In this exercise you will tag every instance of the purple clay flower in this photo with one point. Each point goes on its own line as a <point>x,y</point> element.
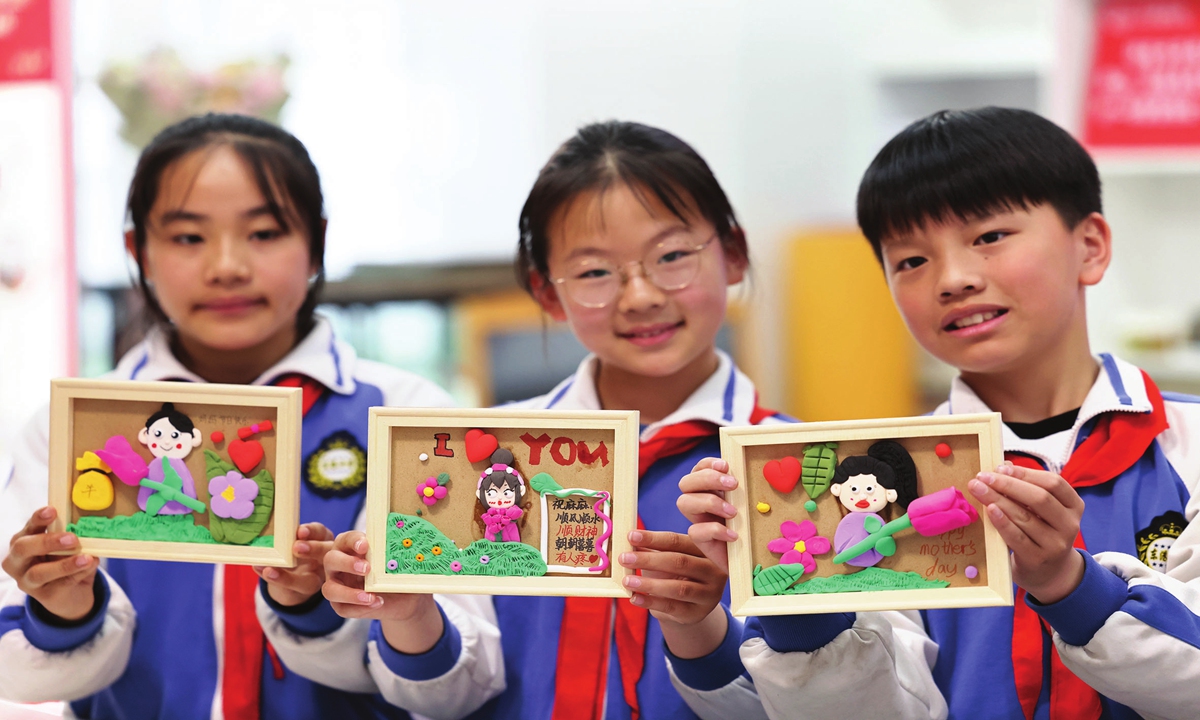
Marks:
<point>484,559</point>
<point>798,544</point>
<point>456,566</point>
<point>430,492</point>
<point>392,565</point>
<point>232,495</point>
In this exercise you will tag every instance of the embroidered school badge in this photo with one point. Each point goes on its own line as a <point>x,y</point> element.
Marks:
<point>338,466</point>
<point>1154,542</point>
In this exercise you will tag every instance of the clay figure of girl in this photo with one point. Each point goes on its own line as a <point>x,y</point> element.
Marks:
<point>866,484</point>
<point>501,489</point>
<point>171,436</point>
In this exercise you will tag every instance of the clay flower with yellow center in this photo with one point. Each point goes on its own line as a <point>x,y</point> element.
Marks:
<point>798,544</point>
<point>430,491</point>
<point>232,495</point>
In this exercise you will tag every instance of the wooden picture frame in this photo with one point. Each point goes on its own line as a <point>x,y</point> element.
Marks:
<point>946,451</point>
<point>424,472</point>
<point>244,439</point>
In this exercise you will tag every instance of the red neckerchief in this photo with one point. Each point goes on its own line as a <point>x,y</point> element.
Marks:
<point>1118,441</point>
<point>582,666</point>
<point>241,676</point>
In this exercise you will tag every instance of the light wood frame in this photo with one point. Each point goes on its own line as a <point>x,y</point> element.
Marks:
<point>623,424</point>
<point>286,504</point>
<point>734,441</point>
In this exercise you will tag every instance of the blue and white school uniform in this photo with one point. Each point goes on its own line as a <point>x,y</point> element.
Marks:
<point>1130,631</point>
<point>529,626</point>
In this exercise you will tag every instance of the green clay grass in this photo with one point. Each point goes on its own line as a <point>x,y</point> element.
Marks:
<point>779,579</point>
<point>432,553</point>
<point>154,528</point>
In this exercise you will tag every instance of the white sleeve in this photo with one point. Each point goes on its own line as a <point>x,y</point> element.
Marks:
<point>476,676</point>
<point>1133,634</point>
<point>738,699</point>
<point>30,674</point>
<point>889,652</point>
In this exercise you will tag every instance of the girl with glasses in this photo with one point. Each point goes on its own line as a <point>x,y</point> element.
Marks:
<point>628,238</point>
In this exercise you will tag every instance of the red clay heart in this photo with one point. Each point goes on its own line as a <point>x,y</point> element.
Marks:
<point>480,445</point>
<point>245,454</point>
<point>783,474</point>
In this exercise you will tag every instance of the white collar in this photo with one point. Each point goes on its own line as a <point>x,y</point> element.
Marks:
<point>1119,387</point>
<point>727,397</point>
<point>320,356</point>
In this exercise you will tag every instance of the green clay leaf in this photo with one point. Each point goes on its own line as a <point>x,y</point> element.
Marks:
<point>443,478</point>
<point>777,578</point>
<point>820,461</point>
<point>543,483</point>
<point>214,465</point>
<point>757,569</point>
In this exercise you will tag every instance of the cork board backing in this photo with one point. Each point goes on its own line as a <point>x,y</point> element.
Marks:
<point>554,442</point>
<point>85,413</point>
<point>975,442</point>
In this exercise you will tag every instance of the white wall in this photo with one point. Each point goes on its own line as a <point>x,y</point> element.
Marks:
<point>429,121</point>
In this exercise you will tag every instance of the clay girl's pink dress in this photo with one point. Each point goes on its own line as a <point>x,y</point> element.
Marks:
<point>500,524</point>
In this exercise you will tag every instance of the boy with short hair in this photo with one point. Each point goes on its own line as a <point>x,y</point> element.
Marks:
<point>988,226</point>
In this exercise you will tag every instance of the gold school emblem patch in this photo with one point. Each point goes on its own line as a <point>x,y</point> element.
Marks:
<point>338,466</point>
<point>1154,541</point>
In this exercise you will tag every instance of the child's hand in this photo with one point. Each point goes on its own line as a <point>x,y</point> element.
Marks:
<point>703,503</point>
<point>411,623</point>
<point>678,583</point>
<point>63,585</point>
<point>292,586</point>
<point>1037,513</point>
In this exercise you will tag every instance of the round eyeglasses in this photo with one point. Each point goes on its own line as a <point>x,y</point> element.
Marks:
<point>595,282</point>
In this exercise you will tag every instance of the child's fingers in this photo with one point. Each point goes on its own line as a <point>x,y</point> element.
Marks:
<point>707,532</point>
<point>1035,498</point>
<point>707,480</point>
<point>660,605</point>
<point>1052,483</point>
<point>681,591</point>
<point>38,522</point>
<point>1032,526</point>
<point>711,463</point>
<point>1012,535</point>
<point>352,542</point>
<point>315,532</point>
<point>26,550</point>
<point>43,574</point>
<point>672,564</point>
<point>337,561</point>
<point>703,505</point>
<point>664,542</point>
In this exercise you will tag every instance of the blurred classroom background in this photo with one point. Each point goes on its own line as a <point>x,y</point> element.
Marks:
<point>429,122</point>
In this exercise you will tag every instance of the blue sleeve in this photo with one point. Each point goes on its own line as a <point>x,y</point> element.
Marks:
<point>433,663</point>
<point>49,633</point>
<point>799,633</point>
<point>716,669</point>
<point>314,617</point>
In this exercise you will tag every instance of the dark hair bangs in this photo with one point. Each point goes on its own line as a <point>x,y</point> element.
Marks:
<point>645,159</point>
<point>283,172</point>
<point>966,165</point>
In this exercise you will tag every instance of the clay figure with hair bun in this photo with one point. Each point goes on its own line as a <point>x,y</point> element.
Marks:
<point>865,485</point>
<point>500,490</point>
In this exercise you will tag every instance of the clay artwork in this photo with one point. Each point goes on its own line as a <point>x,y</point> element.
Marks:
<point>150,472</point>
<point>863,515</point>
<point>519,521</point>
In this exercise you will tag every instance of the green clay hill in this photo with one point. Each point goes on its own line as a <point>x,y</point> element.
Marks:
<point>161,528</point>
<point>782,580</point>
<point>430,552</point>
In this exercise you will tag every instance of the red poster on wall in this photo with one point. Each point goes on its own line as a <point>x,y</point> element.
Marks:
<point>25,50</point>
<point>1144,89</point>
